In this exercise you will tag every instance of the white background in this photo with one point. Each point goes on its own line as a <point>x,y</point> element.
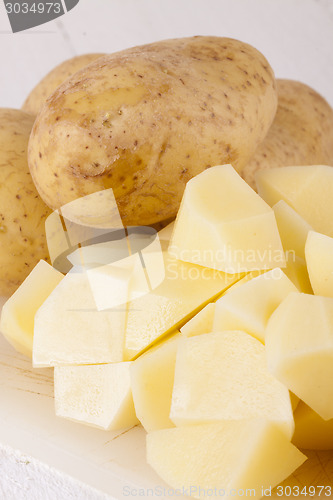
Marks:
<point>296,36</point>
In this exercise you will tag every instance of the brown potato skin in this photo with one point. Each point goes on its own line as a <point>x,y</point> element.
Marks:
<point>146,120</point>
<point>22,211</point>
<point>37,97</point>
<point>301,133</point>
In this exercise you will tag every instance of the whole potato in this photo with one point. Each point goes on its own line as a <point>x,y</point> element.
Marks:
<point>53,79</point>
<point>22,212</point>
<point>301,133</point>
<point>146,120</point>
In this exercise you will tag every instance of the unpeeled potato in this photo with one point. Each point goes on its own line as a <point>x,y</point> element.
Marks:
<point>22,211</point>
<point>53,79</point>
<point>301,133</point>
<point>146,120</point>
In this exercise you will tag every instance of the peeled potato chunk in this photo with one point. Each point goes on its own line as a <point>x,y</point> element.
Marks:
<point>292,227</point>
<point>201,322</point>
<point>299,346</point>
<point>308,190</point>
<point>18,313</point>
<point>249,307</point>
<point>152,377</point>
<point>223,376</point>
<point>97,395</point>
<point>319,260</point>
<point>223,224</point>
<point>70,330</point>
<point>240,458</point>
<point>185,289</point>
<point>311,431</point>
<point>297,272</point>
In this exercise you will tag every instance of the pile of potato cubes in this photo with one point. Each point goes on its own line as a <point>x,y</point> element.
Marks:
<point>248,280</point>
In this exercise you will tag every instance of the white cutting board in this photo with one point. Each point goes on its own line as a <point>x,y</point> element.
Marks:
<point>108,461</point>
<point>112,462</point>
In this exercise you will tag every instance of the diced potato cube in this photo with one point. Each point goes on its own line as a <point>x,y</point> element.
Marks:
<point>294,401</point>
<point>70,330</point>
<point>97,395</point>
<point>319,260</point>
<point>238,458</point>
<point>250,306</point>
<point>292,227</point>
<point>311,431</point>
<point>297,272</point>
<point>152,376</point>
<point>299,345</point>
<point>223,224</point>
<point>185,289</point>
<point>201,322</point>
<point>18,313</point>
<point>308,190</point>
<point>223,376</point>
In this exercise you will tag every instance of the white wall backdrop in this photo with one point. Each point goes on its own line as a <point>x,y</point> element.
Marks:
<point>295,35</point>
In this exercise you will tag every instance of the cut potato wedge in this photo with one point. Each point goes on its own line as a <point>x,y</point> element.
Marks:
<point>152,377</point>
<point>308,190</point>
<point>235,458</point>
<point>97,395</point>
<point>299,346</point>
<point>297,272</point>
<point>250,306</point>
<point>185,289</point>
<point>70,330</point>
<point>223,376</point>
<point>18,313</point>
<point>223,224</point>
<point>292,227</point>
<point>201,323</point>
<point>311,431</point>
<point>319,260</point>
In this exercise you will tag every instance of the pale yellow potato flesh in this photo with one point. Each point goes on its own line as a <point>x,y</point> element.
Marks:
<point>201,322</point>
<point>292,227</point>
<point>152,377</point>
<point>301,132</point>
<point>22,211</point>
<point>185,290</point>
<point>58,75</point>
<point>69,329</point>
<point>319,261</point>
<point>145,120</point>
<point>223,224</point>
<point>297,272</point>
<point>18,313</point>
<point>238,458</point>
<point>299,347</point>
<point>223,376</point>
<point>96,395</point>
<point>308,190</point>
<point>250,306</point>
<point>311,431</point>
<point>294,401</point>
